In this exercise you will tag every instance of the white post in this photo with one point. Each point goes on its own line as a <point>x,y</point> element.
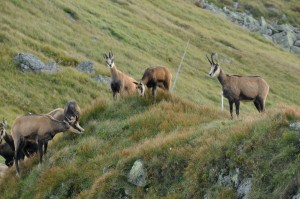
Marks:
<point>179,67</point>
<point>222,100</point>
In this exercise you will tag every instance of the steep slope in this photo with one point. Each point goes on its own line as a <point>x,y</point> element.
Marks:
<point>184,140</point>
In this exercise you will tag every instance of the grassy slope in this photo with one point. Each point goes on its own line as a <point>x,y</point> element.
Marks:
<point>141,34</point>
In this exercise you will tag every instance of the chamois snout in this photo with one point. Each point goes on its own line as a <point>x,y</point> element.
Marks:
<point>140,87</point>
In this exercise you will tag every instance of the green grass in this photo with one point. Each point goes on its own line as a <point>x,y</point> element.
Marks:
<point>182,138</point>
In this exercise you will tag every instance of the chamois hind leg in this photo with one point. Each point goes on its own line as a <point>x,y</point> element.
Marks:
<point>231,108</point>
<point>17,152</point>
<point>261,103</point>
<point>237,107</point>
<point>45,147</point>
<point>40,147</point>
<point>257,105</point>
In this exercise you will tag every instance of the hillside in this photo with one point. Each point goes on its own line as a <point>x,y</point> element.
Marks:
<point>185,140</point>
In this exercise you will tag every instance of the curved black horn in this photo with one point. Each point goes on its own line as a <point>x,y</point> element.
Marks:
<point>208,60</point>
<point>212,59</point>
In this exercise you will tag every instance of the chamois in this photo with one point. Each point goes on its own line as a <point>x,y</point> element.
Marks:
<point>5,150</point>
<point>120,83</point>
<point>29,149</point>
<point>240,88</point>
<point>157,76</point>
<point>40,128</point>
<point>71,113</point>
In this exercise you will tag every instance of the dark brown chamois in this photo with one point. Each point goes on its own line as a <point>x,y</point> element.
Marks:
<point>240,88</point>
<point>159,76</point>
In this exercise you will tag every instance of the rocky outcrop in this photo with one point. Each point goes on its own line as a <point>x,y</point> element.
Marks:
<point>285,35</point>
<point>86,67</point>
<point>30,63</point>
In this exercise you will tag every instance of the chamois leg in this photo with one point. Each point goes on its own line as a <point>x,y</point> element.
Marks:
<point>17,149</point>
<point>231,108</point>
<point>45,147</point>
<point>154,92</point>
<point>237,107</point>
<point>261,103</point>
<point>40,147</point>
<point>257,105</point>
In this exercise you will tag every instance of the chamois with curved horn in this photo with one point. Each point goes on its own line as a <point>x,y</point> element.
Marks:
<point>120,82</point>
<point>70,113</point>
<point>154,77</point>
<point>240,88</point>
<point>40,128</point>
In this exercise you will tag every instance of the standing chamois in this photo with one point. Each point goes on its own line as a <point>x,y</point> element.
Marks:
<point>240,88</point>
<point>120,83</point>
<point>159,76</point>
<point>40,128</point>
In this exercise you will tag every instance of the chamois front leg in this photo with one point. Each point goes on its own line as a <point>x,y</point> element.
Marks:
<point>237,107</point>
<point>231,108</point>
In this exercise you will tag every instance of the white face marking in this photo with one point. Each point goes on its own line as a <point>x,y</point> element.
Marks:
<point>141,89</point>
<point>214,70</point>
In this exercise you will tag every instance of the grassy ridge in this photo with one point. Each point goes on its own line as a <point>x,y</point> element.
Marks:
<point>180,152</point>
<point>181,137</point>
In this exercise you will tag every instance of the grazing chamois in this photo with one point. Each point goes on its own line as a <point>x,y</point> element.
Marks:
<point>120,83</point>
<point>240,88</point>
<point>40,128</point>
<point>159,76</point>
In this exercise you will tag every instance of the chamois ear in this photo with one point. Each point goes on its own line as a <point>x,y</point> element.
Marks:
<point>136,83</point>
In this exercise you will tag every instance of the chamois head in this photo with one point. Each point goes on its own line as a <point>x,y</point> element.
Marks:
<point>215,67</point>
<point>2,129</point>
<point>109,59</point>
<point>72,114</point>
<point>140,87</point>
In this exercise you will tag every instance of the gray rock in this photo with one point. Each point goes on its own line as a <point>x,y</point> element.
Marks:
<point>296,196</point>
<point>297,43</point>
<point>284,28</point>
<point>86,67</point>
<point>31,63</point>
<point>284,39</point>
<point>295,49</point>
<point>244,189</point>
<point>137,174</point>
<point>102,79</point>
<point>295,126</point>
<point>262,21</point>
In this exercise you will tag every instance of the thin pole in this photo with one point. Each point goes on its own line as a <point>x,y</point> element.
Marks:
<point>179,67</point>
<point>222,101</point>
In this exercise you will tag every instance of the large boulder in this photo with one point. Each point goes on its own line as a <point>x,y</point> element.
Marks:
<point>137,174</point>
<point>295,49</point>
<point>31,63</point>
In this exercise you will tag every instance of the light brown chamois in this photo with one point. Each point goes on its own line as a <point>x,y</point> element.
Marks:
<point>30,148</point>
<point>159,76</point>
<point>40,128</point>
<point>120,83</point>
<point>240,88</point>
